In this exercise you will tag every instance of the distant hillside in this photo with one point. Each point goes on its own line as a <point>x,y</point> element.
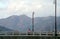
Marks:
<point>23,23</point>
<point>5,29</point>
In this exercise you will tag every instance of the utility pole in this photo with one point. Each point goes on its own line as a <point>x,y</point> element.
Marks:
<point>33,22</point>
<point>55,17</point>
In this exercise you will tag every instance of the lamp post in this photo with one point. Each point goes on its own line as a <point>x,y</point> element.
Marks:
<point>33,23</point>
<point>55,17</point>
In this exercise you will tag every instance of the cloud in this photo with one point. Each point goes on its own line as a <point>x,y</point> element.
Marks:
<point>24,6</point>
<point>18,7</point>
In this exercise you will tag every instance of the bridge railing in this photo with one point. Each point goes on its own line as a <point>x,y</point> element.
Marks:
<point>26,33</point>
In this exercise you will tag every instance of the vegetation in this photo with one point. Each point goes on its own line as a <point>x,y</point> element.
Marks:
<point>27,37</point>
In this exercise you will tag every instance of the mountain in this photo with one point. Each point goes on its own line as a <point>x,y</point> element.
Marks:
<point>4,29</point>
<point>22,23</point>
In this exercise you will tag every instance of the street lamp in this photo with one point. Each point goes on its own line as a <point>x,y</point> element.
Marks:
<point>33,23</point>
<point>55,17</point>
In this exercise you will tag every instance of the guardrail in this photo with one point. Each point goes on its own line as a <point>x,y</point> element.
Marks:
<point>26,33</point>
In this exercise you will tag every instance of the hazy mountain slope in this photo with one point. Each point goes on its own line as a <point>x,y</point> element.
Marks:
<point>5,29</point>
<point>20,23</point>
<point>23,23</point>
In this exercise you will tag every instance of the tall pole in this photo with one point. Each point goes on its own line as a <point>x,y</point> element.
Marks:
<point>55,17</point>
<point>33,22</point>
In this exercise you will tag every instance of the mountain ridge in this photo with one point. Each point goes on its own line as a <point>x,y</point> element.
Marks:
<point>23,22</point>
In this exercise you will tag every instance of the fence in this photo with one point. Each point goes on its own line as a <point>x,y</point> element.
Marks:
<point>18,35</point>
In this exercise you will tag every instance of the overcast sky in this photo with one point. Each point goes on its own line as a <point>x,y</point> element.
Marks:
<point>19,7</point>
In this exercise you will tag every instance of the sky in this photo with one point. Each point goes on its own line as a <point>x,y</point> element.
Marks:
<point>41,8</point>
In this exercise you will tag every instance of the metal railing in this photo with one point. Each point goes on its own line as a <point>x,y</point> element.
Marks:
<point>25,35</point>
